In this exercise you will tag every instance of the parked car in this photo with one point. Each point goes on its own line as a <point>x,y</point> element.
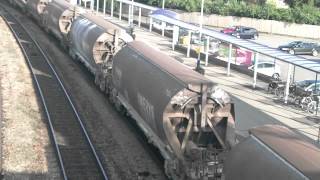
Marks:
<point>301,47</point>
<point>241,32</point>
<point>268,68</point>
<point>306,87</point>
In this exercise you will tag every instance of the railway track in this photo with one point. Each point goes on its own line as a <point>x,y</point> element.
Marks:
<point>76,154</point>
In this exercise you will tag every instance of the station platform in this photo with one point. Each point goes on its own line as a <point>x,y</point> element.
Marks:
<point>254,107</point>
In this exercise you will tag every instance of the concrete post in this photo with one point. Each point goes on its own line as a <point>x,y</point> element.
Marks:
<point>129,14</point>
<point>315,83</point>
<point>173,43</point>
<point>163,24</point>
<point>175,36</point>
<point>85,4</point>
<point>189,43</point>
<point>201,17</point>
<point>120,11</point>
<point>132,15</point>
<point>286,95</point>
<point>111,8</point>
<point>97,6</point>
<point>229,59</point>
<point>316,91</point>
<point>207,50</point>
<point>91,5</point>
<point>255,72</point>
<point>150,27</point>
<point>104,6</point>
<point>139,20</point>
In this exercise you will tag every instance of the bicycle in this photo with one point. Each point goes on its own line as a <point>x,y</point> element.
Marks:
<point>314,105</point>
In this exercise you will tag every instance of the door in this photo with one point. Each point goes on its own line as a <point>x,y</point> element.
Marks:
<point>307,48</point>
<point>261,68</point>
<point>246,34</point>
<point>299,48</point>
<point>269,69</point>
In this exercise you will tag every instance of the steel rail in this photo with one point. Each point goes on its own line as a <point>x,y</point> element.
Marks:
<point>98,161</point>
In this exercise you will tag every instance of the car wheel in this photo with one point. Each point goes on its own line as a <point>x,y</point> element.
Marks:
<point>291,51</point>
<point>276,76</point>
<point>314,53</point>
<point>255,36</point>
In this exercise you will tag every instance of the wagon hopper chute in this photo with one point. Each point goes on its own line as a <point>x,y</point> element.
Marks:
<point>99,41</point>
<point>182,113</point>
<point>36,8</point>
<point>57,18</point>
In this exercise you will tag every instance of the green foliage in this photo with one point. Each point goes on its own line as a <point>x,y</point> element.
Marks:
<point>299,3</point>
<point>301,11</point>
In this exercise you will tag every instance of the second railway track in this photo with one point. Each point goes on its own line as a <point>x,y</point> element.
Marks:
<point>76,154</point>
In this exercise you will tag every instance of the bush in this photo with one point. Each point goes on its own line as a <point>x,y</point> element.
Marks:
<point>302,11</point>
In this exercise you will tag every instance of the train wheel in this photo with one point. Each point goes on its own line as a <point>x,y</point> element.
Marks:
<point>291,51</point>
<point>72,54</point>
<point>314,53</point>
<point>171,168</point>
<point>112,96</point>
<point>102,85</point>
<point>96,80</point>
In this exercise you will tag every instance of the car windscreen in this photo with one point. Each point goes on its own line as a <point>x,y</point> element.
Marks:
<point>305,84</point>
<point>294,43</point>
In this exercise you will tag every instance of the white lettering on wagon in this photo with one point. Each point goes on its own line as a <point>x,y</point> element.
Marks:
<point>146,108</point>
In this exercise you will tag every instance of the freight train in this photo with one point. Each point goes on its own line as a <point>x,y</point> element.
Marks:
<point>182,113</point>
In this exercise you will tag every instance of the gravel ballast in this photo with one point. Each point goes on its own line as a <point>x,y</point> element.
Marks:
<point>26,149</point>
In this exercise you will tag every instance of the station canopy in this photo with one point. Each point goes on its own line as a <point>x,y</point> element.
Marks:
<point>167,13</point>
<point>247,44</point>
<point>138,5</point>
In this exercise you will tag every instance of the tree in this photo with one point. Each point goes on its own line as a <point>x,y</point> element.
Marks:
<point>299,3</point>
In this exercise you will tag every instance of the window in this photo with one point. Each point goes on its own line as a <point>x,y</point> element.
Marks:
<point>311,87</point>
<point>305,84</point>
<point>260,65</point>
<point>307,45</point>
<point>267,65</point>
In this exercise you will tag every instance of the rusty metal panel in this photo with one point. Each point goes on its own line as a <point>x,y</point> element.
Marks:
<point>57,17</point>
<point>96,35</point>
<point>36,8</point>
<point>273,152</point>
<point>100,21</point>
<point>149,79</point>
<point>182,73</point>
<point>293,148</point>
<point>89,33</point>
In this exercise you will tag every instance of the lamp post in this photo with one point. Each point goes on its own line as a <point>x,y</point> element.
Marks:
<point>201,17</point>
